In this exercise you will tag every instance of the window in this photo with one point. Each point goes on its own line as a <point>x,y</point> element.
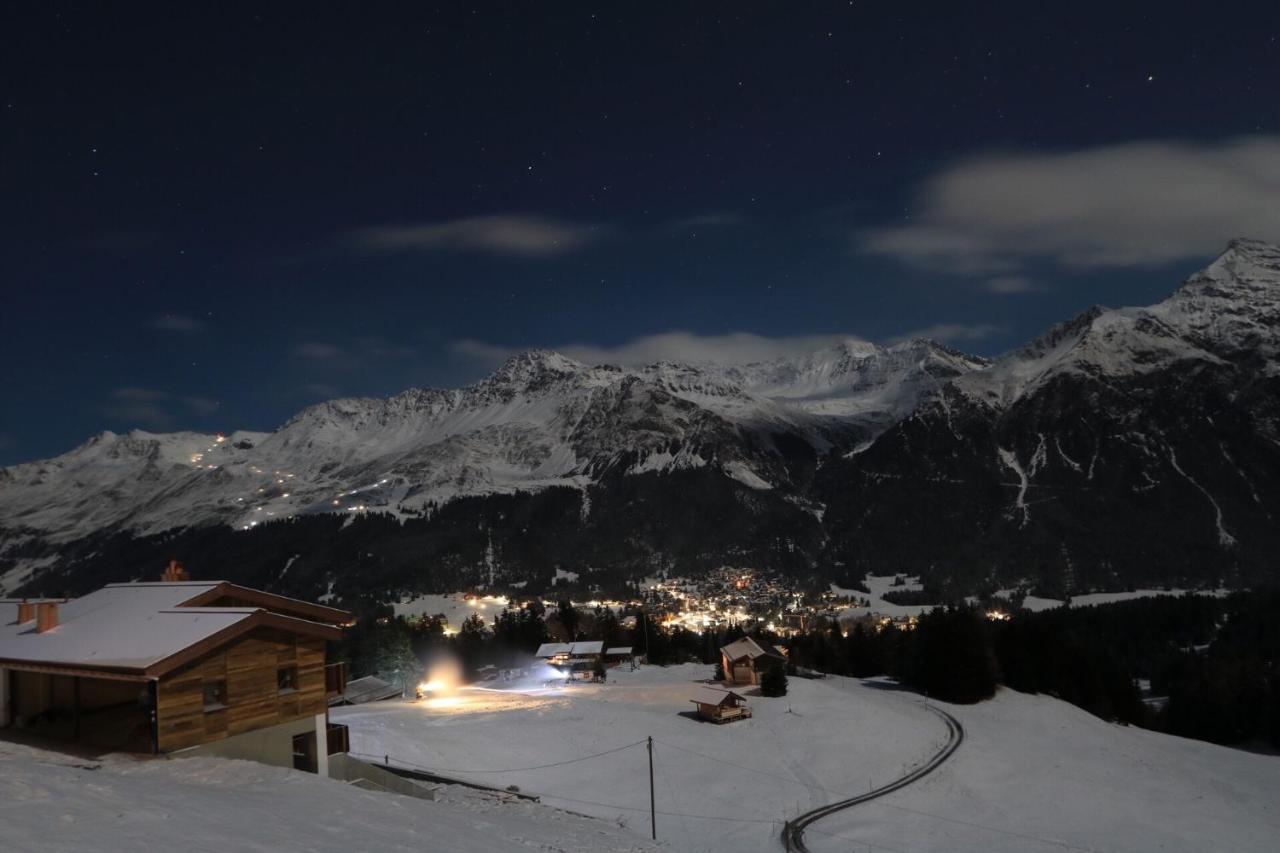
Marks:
<point>215,695</point>
<point>286,679</point>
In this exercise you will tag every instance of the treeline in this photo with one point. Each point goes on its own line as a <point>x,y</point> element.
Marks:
<point>401,649</point>
<point>1211,666</point>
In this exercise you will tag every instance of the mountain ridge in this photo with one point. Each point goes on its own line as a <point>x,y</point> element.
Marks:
<point>1116,404</point>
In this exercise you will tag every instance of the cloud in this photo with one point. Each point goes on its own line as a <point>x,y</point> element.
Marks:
<point>1007,284</point>
<point>715,219</point>
<point>733,348</point>
<point>176,323</point>
<point>353,350</point>
<point>502,234</point>
<point>949,333</point>
<point>158,409</point>
<point>1129,205</point>
<point>317,351</point>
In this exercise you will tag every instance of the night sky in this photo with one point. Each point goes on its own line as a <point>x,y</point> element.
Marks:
<point>215,215</point>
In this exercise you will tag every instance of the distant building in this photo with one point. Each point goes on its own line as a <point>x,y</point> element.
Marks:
<point>719,706</point>
<point>619,655</point>
<point>562,654</point>
<point>176,667</point>
<point>746,660</point>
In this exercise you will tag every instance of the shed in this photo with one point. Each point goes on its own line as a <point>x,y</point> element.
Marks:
<point>618,655</point>
<point>719,706</point>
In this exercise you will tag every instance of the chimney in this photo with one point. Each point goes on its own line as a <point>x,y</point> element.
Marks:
<point>26,611</point>
<point>46,616</point>
<point>174,573</point>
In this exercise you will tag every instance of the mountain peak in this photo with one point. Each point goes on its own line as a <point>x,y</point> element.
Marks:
<point>1246,265</point>
<point>539,360</point>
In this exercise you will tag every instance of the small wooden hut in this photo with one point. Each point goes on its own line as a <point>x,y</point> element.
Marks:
<point>719,706</point>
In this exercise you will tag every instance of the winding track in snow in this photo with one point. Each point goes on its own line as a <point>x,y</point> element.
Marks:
<point>793,830</point>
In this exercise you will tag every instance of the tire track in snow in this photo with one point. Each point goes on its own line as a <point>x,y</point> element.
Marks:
<point>793,830</point>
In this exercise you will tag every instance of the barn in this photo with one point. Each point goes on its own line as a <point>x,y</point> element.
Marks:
<point>746,660</point>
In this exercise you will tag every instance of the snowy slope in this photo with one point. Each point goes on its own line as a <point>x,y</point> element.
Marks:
<point>1035,773</point>
<point>1031,768</point>
<point>818,735</point>
<point>52,803</point>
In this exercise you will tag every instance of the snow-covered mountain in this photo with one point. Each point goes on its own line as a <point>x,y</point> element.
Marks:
<point>1125,443</point>
<point>1134,442</point>
<point>540,420</point>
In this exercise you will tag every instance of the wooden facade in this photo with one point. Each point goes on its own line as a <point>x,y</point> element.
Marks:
<point>249,669</point>
<point>720,706</point>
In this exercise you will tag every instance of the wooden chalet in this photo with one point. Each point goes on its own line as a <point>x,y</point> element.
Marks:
<point>720,706</point>
<point>176,667</point>
<point>746,660</point>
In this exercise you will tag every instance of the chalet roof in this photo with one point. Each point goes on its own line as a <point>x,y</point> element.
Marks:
<point>619,650</point>
<point>705,695</point>
<point>749,648</point>
<point>550,650</point>
<point>140,628</point>
<point>584,647</point>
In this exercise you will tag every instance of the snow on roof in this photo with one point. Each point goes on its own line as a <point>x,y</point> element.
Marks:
<point>705,695</point>
<point>749,648</point>
<point>550,650</point>
<point>618,650</point>
<point>586,647</point>
<point>128,626</point>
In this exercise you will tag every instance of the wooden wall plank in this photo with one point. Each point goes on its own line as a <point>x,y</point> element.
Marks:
<point>249,668</point>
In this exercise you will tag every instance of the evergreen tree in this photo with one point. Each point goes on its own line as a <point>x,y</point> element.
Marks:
<point>568,618</point>
<point>774,681</point>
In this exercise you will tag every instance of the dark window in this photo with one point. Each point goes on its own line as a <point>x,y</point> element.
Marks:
<point>287,679</point>
<point>215,695</point>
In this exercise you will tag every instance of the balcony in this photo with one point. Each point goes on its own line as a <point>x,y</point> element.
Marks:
<point>335,679</point>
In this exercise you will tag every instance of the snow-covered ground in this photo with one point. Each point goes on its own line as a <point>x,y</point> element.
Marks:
<point>455,606</point>
<point>1033,773</point>
<point>879,585</point>
<point>52,803</point>
<point>703,803</point>
<point>1033,603</point>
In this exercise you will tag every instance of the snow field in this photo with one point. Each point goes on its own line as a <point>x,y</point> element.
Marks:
<point>53,803</point>
<point>1037,774</point>
<point>716,787</point>
<point>1033,773</point>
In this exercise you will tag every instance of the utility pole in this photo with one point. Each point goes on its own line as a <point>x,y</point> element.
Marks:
<point>653,813</point>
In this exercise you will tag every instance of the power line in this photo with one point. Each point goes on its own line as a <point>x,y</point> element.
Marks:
<point>1024,836</point>
<point>414,766</point>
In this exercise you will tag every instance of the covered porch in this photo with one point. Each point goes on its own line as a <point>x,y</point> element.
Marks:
<point>98,711</point>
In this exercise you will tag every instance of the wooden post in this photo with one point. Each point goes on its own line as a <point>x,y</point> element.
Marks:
<point>75,708</point>
<point>153,694</point>
<point>653,813</point>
